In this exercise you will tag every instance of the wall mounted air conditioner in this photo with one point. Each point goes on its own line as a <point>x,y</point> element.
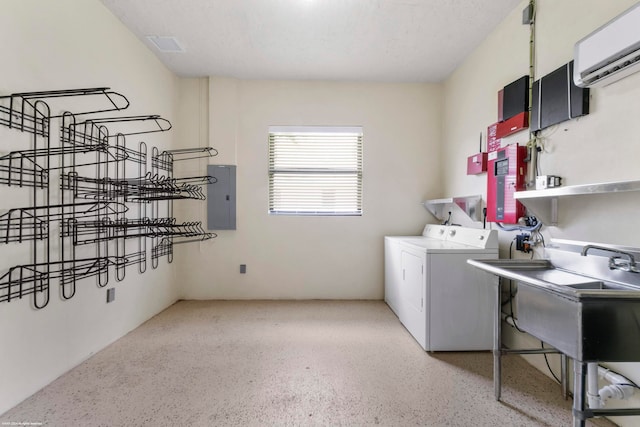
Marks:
<point>609,53</point>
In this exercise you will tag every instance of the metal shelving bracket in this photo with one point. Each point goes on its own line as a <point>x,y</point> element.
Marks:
<point>470,205</point>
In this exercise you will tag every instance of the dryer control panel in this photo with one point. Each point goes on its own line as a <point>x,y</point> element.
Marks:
<point>506,173</point>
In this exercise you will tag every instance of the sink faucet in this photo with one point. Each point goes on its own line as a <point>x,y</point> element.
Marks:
<point>615,262</point>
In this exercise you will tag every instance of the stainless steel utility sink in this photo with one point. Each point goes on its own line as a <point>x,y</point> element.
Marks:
<point>586,307</point>
<point>588,314</point>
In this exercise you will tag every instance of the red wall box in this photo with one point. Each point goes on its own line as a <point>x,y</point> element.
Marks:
<point>512,125</point>
<point>477,164</point>
<point>505,175</point>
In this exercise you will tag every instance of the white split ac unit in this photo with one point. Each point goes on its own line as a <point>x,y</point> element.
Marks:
<point>609,53</point>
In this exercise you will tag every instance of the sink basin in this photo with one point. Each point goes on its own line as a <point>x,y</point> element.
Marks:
<point>586,318</point>
<point>558,277</point>
<point>543,273</point>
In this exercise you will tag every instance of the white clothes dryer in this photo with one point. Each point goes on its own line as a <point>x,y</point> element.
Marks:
<point>439,298</point>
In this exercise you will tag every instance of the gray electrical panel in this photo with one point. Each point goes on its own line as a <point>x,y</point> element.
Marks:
<point>221,198</point>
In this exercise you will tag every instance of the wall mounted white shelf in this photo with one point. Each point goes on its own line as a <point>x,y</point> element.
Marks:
<point>470,205</point>
<point>544,203</point>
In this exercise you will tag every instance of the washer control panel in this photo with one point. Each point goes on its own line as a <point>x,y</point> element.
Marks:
<point>476,237</point>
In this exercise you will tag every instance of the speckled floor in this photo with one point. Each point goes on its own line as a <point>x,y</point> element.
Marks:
<point>243,363</point>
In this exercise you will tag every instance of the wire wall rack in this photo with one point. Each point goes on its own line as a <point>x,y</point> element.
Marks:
<point>109,207</point>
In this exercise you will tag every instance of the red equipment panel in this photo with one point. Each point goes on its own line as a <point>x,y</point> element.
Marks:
<point>477,164</point>
<point>506,172</point>
<point>514,124</point>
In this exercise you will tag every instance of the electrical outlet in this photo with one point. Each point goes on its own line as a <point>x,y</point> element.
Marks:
<point>111,294</point>
<point>523,243</point>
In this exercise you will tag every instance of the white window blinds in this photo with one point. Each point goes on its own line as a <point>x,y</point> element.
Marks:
<point>315,170</point>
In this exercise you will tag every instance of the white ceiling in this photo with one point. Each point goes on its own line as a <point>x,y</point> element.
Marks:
<point>362,40</point>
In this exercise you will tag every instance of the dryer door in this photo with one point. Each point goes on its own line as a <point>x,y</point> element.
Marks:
<point>412,295</point>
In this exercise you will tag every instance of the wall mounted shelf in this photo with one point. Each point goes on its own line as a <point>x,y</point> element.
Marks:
<point>544,203</point>
<point>470,205</point>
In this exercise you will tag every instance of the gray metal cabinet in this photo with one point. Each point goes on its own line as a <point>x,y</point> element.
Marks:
<point>221,198</point>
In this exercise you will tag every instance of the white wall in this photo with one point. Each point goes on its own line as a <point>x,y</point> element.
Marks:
<point>595,148</point>
<point>60,45</point>
<point>600,147</point>
<point>316,257</point>
<point>417,138</point>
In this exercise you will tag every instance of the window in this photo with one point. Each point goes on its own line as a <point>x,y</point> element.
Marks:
<point>315,170</point>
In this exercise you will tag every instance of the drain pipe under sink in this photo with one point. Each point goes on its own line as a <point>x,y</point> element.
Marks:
<point>593,393</point>
<point>620,388</point>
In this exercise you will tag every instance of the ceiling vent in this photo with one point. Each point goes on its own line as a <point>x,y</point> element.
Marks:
<point>166,44</point>
<point>609,53</point>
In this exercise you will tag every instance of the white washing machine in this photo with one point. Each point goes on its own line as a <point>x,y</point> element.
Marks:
<point>441,300</point>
